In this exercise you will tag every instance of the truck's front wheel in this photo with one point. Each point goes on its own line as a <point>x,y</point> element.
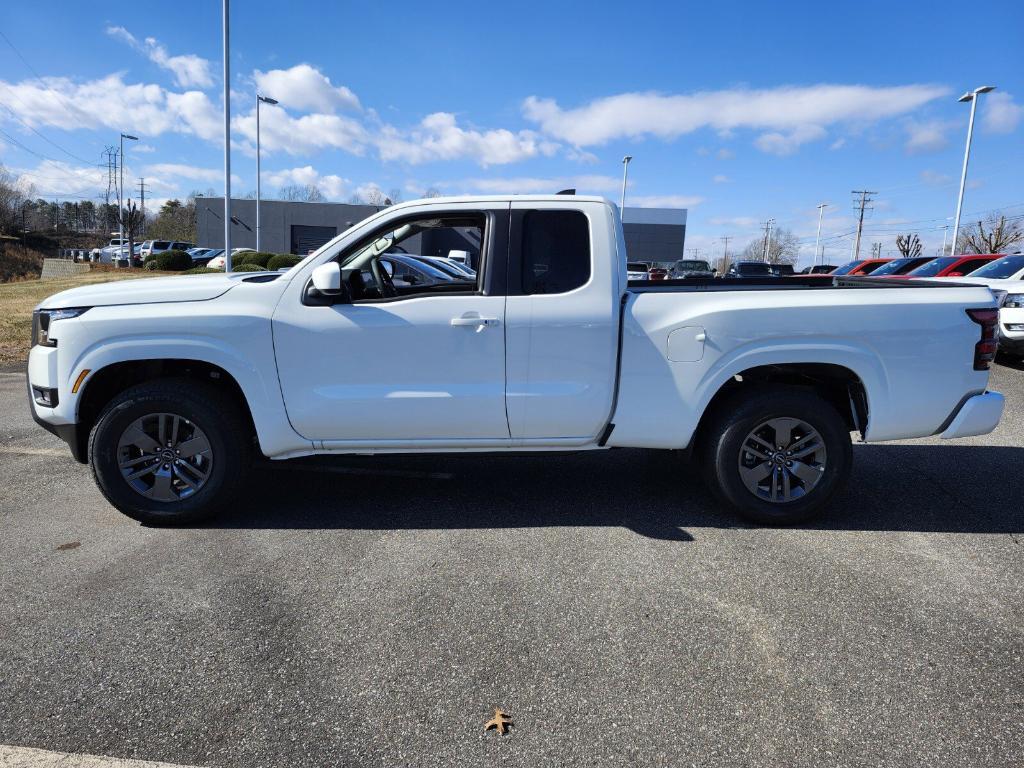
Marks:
<point>777,455</point>
<point>169,452</point>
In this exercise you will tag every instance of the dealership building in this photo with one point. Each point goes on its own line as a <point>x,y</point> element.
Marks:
<point>653,235</point>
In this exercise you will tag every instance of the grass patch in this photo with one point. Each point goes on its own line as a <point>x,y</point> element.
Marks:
<point>17,300</point>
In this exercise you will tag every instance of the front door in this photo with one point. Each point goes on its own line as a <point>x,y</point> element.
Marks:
<point>427,364</point>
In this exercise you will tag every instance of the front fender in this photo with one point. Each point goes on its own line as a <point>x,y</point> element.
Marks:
<point>254,370</point>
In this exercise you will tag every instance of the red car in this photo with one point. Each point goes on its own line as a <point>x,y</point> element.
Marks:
<point>657,273</point>
<point>951,266</point>
<point>860,267</point>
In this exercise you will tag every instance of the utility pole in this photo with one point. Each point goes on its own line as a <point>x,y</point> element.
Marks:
<point>945,231</point>
<point>864,200</point>
<point>766,241</point>
<point>817,237</point>
<point>227,138</point>
<point>142,197</point>
<point>725,253</point>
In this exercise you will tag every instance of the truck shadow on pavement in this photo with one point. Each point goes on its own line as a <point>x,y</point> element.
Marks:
<point>938,488</point>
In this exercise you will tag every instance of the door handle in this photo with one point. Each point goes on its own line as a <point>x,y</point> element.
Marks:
<point>700,336</point>
<point>474,320</point>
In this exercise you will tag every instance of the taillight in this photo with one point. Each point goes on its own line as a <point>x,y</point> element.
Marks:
<point>985,350</point>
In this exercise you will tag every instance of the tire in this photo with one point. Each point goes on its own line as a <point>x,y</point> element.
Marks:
<point>171,488</point>
<point>756,484</point>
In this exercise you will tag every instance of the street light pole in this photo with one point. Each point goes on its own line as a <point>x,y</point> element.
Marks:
<point>267,100</point>
<point>625,172</point>
<point>971,96</point>
<point>120,207</point>
<point>817,237</point>
<point>227,139</point>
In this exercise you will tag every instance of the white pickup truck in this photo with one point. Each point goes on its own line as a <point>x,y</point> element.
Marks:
<point>169,386</point>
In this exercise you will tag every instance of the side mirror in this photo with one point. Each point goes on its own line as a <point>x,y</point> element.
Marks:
<point>328,283</point>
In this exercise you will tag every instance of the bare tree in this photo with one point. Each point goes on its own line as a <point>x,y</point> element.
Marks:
<point>309,193</point>
<point>995,234</point>
<point>131,217</point>
<point>395,195</point>
<point>909,245</point>
<point>12,198</point>
<point>432,192</point>
<point>784,248</point>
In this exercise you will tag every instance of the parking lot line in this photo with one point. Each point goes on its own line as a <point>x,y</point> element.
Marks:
<point>27,757</point>
<point>33,451</point>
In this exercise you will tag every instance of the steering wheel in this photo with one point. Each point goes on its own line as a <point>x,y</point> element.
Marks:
<point>383,279</point>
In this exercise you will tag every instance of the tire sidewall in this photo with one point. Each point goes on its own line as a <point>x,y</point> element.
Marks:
<point>103,456</point>
<point>744,417</point>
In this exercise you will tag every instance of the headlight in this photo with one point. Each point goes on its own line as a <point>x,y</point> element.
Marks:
<point>42,318</point>
<point>1014,300</point>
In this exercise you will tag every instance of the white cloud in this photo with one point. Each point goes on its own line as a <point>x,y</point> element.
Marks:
<point>934,178</point>
<point>52,178</point>
<point>304,87</point>
<point>279,131</point>
<point>585,185</point>
<point>838,143</point>
<point>738,222</point>
<point>1000,114</point>
<point>725,154</point>
<point>721,178</point>
<point>663,201</point>
<point>439,137</point>
<point>188,69</point>
<point>333,186</point>
<point>109,102</point>
<point>180,170</point>
<point>790,111</point>
<point>928,136</point>
<point>783,144</point>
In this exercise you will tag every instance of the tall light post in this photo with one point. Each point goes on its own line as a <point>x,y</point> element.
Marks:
<point>120,194</point>
<point>625,172</point>
<point>265,100</point>
<point>971,96</point>
<point>817,237</point>
<point>227,139</point>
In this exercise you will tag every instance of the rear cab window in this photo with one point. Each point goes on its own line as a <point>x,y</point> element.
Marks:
<point>555,252</point>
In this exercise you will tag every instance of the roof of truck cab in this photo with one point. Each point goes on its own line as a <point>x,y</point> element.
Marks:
<point>503,198</point>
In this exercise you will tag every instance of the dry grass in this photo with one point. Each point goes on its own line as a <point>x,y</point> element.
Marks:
<point>17,300</point>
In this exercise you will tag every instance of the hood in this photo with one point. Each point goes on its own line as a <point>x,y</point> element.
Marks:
<point>145,291</point>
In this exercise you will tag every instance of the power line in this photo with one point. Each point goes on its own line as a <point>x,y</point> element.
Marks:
<point>71,107</point>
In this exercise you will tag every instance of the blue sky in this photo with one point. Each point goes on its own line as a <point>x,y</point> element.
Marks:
<point>739,112</point>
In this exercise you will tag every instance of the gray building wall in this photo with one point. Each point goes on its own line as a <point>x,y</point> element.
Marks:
<point>653,235</point>
<point>277,219</point>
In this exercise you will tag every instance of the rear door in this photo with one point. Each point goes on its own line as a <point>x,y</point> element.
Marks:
<point>562,320</point>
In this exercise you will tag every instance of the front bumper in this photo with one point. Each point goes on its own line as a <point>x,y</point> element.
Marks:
<point>69,433</point>
<point>978,415</point>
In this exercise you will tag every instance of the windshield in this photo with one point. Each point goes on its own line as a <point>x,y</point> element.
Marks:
<point>934,266</point>
<point>896,266</point>
<point>701,266</point>
<point>1005,267</point>
<point>423,266</point>
<point>847,268</point>
<point>636,267</point>
<point>753,269</point>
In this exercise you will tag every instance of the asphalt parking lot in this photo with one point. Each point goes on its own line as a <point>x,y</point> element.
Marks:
<point>376,614</point>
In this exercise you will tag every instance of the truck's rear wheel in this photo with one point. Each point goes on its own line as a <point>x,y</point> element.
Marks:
<point>169,452</point>
<point>777,455</point>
